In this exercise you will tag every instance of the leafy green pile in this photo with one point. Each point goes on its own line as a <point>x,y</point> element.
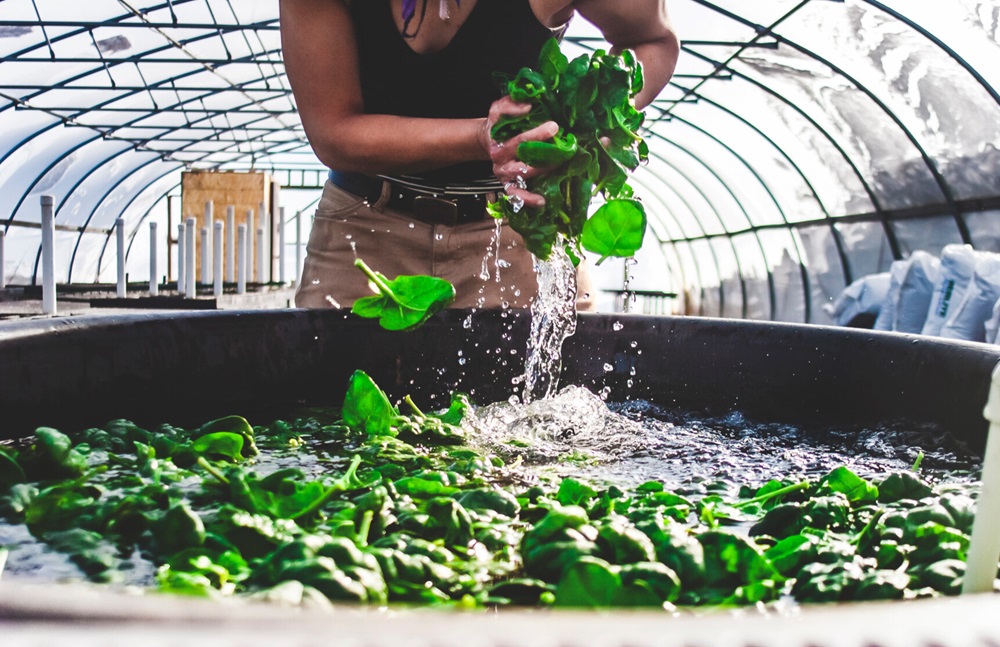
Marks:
<point>592,100</point>
<point>386,504</point>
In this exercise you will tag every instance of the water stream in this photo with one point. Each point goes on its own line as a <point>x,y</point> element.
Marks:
<point>553,319</point>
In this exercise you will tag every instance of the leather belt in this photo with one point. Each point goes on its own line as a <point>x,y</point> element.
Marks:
<point>442,208</point>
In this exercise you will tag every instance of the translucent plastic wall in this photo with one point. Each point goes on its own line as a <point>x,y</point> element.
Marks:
<point>802,143</point>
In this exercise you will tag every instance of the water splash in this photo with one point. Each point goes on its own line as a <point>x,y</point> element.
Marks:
<point>572,423</point>
<point>553,319</point>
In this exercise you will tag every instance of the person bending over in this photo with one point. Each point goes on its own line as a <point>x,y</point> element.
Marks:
<point>397,98</point>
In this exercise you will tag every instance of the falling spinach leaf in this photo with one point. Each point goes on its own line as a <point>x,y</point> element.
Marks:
<point>405,302</point>
<point>616,229</point>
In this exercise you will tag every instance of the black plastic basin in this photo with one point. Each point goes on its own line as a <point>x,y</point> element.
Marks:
<point>185,368</point>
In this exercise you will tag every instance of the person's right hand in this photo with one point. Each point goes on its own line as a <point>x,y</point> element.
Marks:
<point>508,169</point>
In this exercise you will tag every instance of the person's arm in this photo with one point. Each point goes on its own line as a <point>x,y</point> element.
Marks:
<point>640,25</point>
<point>321,60</point>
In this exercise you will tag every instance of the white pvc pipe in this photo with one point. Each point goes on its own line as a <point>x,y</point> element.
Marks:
<point>48,255</point>
<point>984,545</point>
<point>261,274</point>
<point>122,290</point>
<point>263,245</point>
<point>217,257</point>
<point>181,259</point>
<point>241,260</point>
<point>250,232</point>
<point>154,281</point>
<point>205,247</point>
<point>190,272</point>
<point>3,271</point>
<point>206,244</point>
<point>206,257</point>
<point>298,247</point>
<point>281,246</point>
<point>230,244</point>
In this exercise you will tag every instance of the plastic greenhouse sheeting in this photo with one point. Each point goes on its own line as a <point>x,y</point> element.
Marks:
<point>801,145</point>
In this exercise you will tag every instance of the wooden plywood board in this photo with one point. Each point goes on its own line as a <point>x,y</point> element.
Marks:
<point>245,192</point>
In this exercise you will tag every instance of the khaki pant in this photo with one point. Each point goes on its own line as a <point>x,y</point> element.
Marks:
<point>393,243</point>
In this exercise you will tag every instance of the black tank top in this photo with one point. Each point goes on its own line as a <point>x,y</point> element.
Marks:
<point>499,36</point>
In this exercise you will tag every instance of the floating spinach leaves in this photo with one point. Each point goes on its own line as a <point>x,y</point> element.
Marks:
<point>374,504</point>
<point>366,408</point>
<point>405,302</point>
<point>592,100</point>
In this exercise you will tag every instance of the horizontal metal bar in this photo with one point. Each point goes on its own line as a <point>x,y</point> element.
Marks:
<point>140,58</point>
<point>764,44</point>
<point>963,207</point>
<point>137,88</point>
<point>219,111</point>
<point>267,25</point>
<point>59,227</point>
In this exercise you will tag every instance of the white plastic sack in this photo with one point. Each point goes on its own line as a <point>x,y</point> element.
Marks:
<point>916,292</point>
<point>993,325</point>
<point>910,292</point>
<point>887,313</point>
<point>968,320</point>
<point>864,296</point>
<point>958,262</point>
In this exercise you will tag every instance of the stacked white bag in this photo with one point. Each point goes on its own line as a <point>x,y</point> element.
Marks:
<point>958,263</point>
<point>993,325</point>
<point>864,296</point>
<point>957,297</point>
<point>969,319</point>
<point>911,290</point>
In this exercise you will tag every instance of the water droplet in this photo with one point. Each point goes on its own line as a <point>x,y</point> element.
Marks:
<point>617,326</point>
<point>462,361</point>
<point>608,368</point>
<point>504,264</point>
<point>516,203</point>
<point>438,236</point>
<point>348,236</point>
<point>315,281</point>
<point>505,305</point>
<point>634,344</point>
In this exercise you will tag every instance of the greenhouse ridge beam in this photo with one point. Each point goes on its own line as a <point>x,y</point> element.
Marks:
<point>264,25</point>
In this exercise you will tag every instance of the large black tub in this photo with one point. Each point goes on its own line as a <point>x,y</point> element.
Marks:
<point>186,368</point>
<point>77,371</point>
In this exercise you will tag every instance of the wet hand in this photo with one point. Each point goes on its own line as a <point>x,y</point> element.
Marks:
<point>512,172</point>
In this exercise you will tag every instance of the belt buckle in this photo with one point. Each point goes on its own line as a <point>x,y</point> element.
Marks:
<point>437,210</point>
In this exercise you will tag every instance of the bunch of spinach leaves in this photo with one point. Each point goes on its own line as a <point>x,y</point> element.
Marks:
<point>592,100</point>
<point>380,503</point>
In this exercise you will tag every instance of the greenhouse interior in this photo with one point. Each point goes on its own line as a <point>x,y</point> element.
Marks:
<point>821,201</point>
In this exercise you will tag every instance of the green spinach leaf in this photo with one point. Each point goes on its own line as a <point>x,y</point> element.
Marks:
<point>405,302</point>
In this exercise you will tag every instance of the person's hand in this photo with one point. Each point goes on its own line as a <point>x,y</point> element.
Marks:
<point>513,173</point>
